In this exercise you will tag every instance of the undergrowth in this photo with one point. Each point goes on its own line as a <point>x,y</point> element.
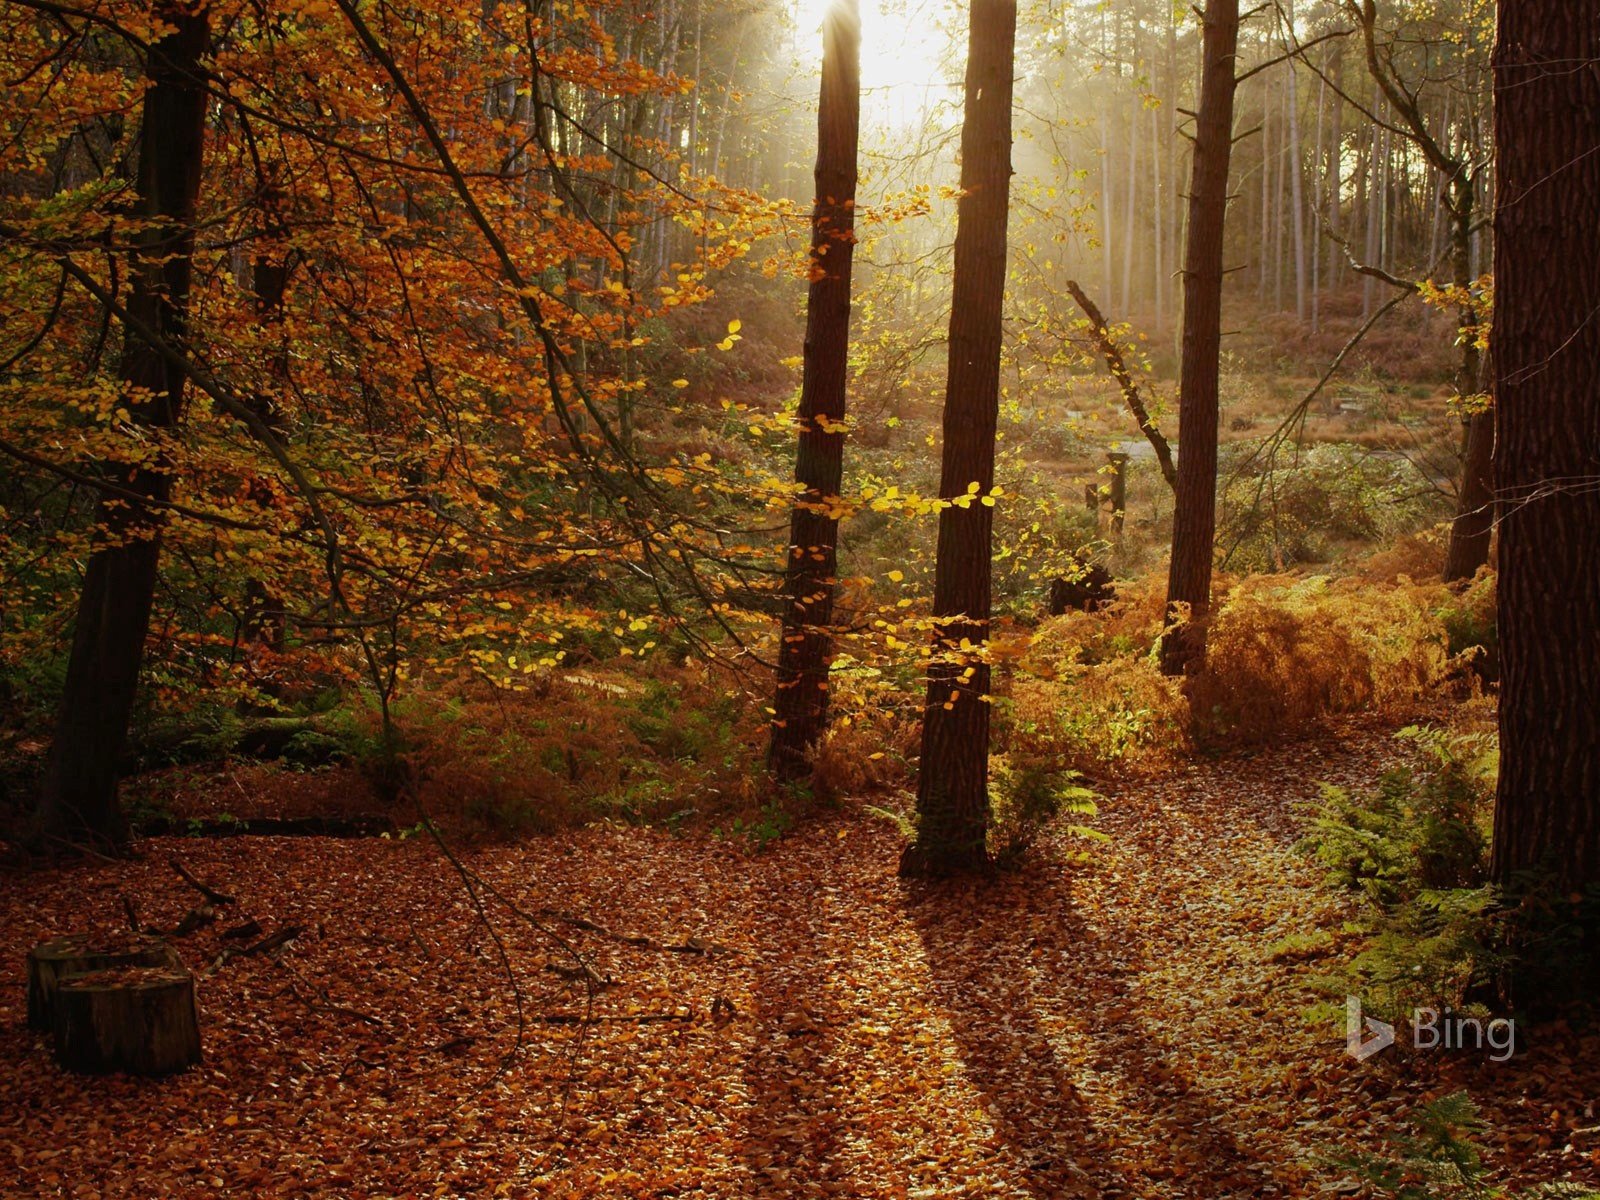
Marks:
<point>1441,1160</point>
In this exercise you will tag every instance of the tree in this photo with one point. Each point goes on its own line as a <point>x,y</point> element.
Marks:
<point>1474,519</point>
<point>953,778</point>
<point>1546,366</point>
<point>806,644</point>
<point>1195,515</point>
<point>408,329</point>
<point>80,790</point>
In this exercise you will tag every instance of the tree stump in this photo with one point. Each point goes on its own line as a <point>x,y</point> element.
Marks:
<point>52,961</point>
<point>139,1020</point>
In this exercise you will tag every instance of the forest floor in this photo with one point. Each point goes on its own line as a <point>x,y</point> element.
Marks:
<point>1109,1020</point>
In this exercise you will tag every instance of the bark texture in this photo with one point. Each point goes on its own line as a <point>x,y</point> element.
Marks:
<point>806,647</point>
<point>1194,523</point>
<point>141,1021</point>
<point>80,791</point>
<point>953,780</point>
<point>1547,447</point>
<point>60,958</point>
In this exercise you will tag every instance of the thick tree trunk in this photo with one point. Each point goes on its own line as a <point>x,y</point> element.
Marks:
<point>1547,446</point>
<point>138,1020</point>
<point>60,958</point>
<point>1195,515</point>
<point>953,780</point>
<point>80,792</point>
<point>806,645</point>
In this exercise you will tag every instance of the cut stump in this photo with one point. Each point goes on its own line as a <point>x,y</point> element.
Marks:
<point>54,960</point>
<point>138,1020</point>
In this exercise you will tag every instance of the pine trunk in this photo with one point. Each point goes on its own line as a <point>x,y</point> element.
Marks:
<point>806,645</point>
<point>1195,514</point>
<point>1473,525</point>
<point>80,792</point>
<point>952,785</point>
<point>1546,364</point>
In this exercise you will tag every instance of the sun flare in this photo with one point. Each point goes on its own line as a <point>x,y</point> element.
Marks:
<point>905,55</point>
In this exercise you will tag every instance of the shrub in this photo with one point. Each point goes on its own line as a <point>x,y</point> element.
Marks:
<point>1418,830</point>
<point>1026,795</point>
<point>1416,848</point>
<point>1418,556</point>
<point>1440,1160</point>
<point>1305,511</point>
<point>1469,622</point>
<point>1284,652</point>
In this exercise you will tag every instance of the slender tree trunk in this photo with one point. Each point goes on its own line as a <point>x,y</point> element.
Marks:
<point>1174,211</point>
<point>1129,207</point>
<point>1473,526</point>
<point>1107,205</point>
<point>1372,251</point>
<point>1320,159</point>
<point>1547,413</point>
<point>806,646</point>
<point>1281,172</point>
<point>952,784</point>
<point>1195,513</point>
<point>1264,254</point>
<point>79,802</point>
<point>1336,168</point>
<point>1158,223</point>
<point>1296,182</point>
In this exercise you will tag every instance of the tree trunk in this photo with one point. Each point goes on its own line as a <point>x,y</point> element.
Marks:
<point>1546,365</point>
<point>1296,182</point>
<point>141,1020</point>
<point>59,958</point>
<point>1195,515</point>
<point>952,784</point>
<point>1473,525</point>
<point>806,644</point>
<point>80,790</point>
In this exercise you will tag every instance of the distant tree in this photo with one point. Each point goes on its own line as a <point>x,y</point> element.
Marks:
<point>1547,448</point>
<point>1459,171</point>
<point>79,803</point>
<point>953,780</point>
<point>1195,515</point>
<point>806,645</point>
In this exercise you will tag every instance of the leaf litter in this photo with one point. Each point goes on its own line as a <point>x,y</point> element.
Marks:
<point>795,1023</point>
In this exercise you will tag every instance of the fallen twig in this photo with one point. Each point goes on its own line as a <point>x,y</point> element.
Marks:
<point>692,945</point>
<point>199,885</point>
<point>634,1018</point>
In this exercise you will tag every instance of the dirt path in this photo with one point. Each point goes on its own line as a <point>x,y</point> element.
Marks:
<point>1117,1026</point>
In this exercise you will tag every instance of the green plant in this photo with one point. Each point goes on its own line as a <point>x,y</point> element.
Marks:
<point>1026,795</point>
<point>1420,830</point>
<point>1416,848</point>
<point>769,824</point>
<point>1441,1161</point>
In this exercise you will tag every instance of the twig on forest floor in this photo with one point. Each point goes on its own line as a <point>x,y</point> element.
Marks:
<point>690,945</point>
<point>205,889</point>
